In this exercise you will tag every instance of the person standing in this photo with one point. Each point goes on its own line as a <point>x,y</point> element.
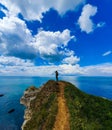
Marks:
<point>56,73</point>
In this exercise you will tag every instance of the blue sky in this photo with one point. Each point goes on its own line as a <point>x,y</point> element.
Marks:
<point>73,37</point>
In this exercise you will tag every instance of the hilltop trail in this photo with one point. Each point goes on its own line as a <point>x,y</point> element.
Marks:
<point>62,118</point>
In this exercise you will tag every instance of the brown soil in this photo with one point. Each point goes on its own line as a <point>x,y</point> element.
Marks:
<point>62,118</point>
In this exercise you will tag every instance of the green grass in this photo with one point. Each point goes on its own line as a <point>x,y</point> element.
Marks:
<point>87,112</point>
<point>44,109</point>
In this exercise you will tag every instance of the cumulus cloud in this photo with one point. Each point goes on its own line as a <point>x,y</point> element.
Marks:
<point>18,47</point>
<point>68,69</point>
<point>51,45</point>
<point>17,40</point>
<point>33,10</point>
<point>107,53</point>
<point>85,22</point>
<point>71,60</point>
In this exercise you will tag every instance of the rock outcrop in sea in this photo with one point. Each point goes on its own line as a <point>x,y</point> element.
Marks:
<point>11,110</point>
<point>1,95</point>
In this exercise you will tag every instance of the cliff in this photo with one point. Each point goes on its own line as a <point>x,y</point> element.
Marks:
<point>41,106</point>
<point>62,106</point>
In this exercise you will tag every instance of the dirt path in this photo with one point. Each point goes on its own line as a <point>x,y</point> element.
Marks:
<point>62,118</point>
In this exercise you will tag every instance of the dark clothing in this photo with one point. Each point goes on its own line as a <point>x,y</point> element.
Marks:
<point>56,72</point>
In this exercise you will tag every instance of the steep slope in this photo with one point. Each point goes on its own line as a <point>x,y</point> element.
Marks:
<point>62,106</point>
<point>41,107</point>
<point>87,112</point>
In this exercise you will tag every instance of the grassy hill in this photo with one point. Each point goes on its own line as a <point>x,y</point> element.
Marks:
<point>86,112</point>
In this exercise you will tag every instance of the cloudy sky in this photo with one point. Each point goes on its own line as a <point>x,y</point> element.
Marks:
<point>71,36</point>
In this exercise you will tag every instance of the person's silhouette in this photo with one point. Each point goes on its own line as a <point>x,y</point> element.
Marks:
<point>56,73</point>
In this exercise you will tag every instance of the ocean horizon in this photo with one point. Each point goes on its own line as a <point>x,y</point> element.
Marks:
<point>13,88</point>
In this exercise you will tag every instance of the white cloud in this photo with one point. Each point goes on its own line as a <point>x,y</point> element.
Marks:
<point>26,68</point>
<point>13,61</point>
<point>71,60</point>
<point>33,10</point>
<point>93,70</point>
<point>98,70</point>
<point>46,38</point>
<point>85,22</point>
<point>19,67</point>
<point>107,53</point>
<point>62,6</point>
<point>12,66</point>
<point>101,24</point>
<point>69,69</point>
<point>15,38</point>
<point>51,45</point>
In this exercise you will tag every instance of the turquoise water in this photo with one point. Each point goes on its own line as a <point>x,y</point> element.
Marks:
<point>13,88</point>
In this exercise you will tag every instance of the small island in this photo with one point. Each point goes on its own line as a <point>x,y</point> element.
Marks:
<point>62,106</point>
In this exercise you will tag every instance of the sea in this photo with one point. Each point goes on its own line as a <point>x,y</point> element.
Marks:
<point>14,87</point>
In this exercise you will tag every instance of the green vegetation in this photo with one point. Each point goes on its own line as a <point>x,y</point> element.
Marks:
<point>87,112</point>
<point>44,108</point>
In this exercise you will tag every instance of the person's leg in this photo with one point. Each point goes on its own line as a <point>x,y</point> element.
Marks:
<point>57,78</point>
